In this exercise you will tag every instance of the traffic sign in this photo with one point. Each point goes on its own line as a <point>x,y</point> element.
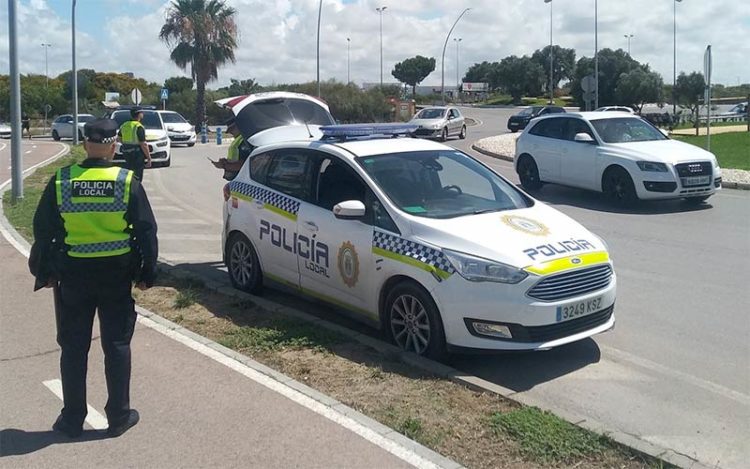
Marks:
<point>588,83</point>
<point>164,94</point>
<point>136,96</point>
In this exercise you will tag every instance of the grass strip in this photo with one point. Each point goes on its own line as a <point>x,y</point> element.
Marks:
<point>732,149</point>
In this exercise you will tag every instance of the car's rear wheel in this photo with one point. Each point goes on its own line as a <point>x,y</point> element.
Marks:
<point>243,265</point>
<point>462,135</point>
<point>514,130</point>
<point>618,187</point>
<point>528,173</point>
<point>444,134</point>
<point>412,321</point>
<point>55,136</point>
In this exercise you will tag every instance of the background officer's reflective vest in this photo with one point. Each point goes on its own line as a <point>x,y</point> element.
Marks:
<point>129,132</point>
<point>92,203</point>
<point>234,149</point>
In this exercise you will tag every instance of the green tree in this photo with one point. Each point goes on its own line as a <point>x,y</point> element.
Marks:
<point>242,87</point>
<point>689,93</point>
<point>520,76</point>
<point>485,72</point>
<point>178,84</point>
<point>638,87</point>
<point>612,64</point>
<point>412,71</point>
<point>563,64</point>
<point>202,35</point>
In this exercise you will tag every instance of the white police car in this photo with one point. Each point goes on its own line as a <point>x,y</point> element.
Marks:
<point>417,238</point>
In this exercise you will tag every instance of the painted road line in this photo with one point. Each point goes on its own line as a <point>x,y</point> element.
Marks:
<point>188,237</point>
<point>180,221</point>
<point>95,420</point>
<point>166,208</point>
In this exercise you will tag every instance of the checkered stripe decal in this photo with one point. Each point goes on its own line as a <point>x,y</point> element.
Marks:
<point>279,201</point>
<point>68,206</point>
<point>416,251</point>
<point>100,247</point>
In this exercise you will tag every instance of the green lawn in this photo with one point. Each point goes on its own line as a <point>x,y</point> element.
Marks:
<point>689,125</point>
<point>732,148</point>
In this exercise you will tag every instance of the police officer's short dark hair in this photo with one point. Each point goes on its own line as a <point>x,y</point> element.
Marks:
<point>135,111</point>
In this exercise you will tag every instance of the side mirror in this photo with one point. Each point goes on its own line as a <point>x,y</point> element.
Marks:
<point>665,132</point>
<point>584,138</point>
<point>349,210</point>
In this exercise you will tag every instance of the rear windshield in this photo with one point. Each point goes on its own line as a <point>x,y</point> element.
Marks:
<point>277,112</point>
<point>431,114</point>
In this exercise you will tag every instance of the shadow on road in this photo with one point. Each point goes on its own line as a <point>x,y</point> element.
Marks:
<point>521,371</point>
<point>14,442</point>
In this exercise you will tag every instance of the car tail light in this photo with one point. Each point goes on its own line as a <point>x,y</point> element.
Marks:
<point>227,192</point>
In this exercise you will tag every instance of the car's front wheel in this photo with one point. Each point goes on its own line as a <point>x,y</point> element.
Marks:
<point>444,134</point>
<point>528,173</point>
<point>462,135</point>
<point>55,136</point>
<point>243,265</point>
<point>412,321</point>
<point>618,187</point>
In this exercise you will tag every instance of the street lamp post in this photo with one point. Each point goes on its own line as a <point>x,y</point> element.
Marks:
<point>596,54</point>
<point>380,11</point>
<point>46,84</point>
<point>348,60</point>
<point>320,10</point>
<point>674,62</point>
<point>628,37</point>
<point>16,159</point>
<point>442,60</point>
<point>75,78</point>
<point>457,41</point>
<point>551,60</point>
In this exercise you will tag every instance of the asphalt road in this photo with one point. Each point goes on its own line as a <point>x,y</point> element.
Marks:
<point>676,370</point>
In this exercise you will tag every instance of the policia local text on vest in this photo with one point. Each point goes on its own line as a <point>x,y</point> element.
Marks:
<point>95,234</point>
<point>134,147</point>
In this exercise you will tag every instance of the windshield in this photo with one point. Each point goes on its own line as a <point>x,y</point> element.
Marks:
<point>172,118</point>
<point>441,184</point>
<point>626,129</point>
<point>277,112</point>
<point>150,119</point>
<point>431,113</point>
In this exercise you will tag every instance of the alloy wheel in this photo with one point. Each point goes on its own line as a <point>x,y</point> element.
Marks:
<point>410,324</point>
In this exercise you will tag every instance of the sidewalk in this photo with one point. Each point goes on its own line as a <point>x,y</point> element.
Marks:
<point>198,408</point>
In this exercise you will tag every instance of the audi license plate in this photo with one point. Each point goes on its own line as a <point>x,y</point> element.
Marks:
<point>695,181</point>
<point>579,308</point>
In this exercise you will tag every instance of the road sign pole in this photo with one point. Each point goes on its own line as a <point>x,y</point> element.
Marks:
<point>15,104</point>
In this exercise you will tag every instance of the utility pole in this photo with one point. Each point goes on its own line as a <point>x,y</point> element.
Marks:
<point>596,53</point>
<point>75,78</point>
<point>16,174</point>
<point>320,10</point>
<point>674,62</point>
<point>442,59</point>
<point>380,10</point>
<point>348,60</point>
<point>46,84</point>
<point>458,82</point>
<point>628,37</point>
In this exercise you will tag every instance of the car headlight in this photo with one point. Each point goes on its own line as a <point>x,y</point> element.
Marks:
<point>477,269</point>
<point>652,166</point>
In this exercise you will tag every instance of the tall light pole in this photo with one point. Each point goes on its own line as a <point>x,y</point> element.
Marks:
<point>442,60</point>
<point>628,37</point>
<point>348,60</point>
<point>46,83</point>
<point>596,54</point>
<point>551,61</point>
<point>320,10</point>
<point>15,104</point>
<point>75,78</point>
<point>674,62</point>
<point>380,10</point>
<point>457,40</point>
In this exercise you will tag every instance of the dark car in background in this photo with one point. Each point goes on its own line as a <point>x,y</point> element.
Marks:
<point>519,121</point>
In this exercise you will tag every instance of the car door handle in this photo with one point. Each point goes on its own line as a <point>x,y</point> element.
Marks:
<point>310,225</point>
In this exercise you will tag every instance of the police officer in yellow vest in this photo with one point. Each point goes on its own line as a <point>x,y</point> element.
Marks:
<point>238,151</point>
<point>134,147</point>
<point>94,234</point>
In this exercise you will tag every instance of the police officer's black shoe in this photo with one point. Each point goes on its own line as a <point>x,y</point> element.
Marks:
<point>71,431</point>
<point>116,430</point>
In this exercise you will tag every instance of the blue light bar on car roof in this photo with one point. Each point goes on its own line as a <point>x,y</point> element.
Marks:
<point>366,130</point>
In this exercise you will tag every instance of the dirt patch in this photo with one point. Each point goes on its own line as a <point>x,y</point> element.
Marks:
<point>458,423</point>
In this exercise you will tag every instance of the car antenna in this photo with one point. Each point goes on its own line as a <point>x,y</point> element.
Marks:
<point>309,134</point>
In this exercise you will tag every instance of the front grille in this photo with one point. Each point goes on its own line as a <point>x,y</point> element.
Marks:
<point>570,284</point>
<point>698,168</point>
<point>561,329</point>
<point>656,186</point>
<point>424,132</point>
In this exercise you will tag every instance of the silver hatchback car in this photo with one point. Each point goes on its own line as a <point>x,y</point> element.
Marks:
<point>439,122</point>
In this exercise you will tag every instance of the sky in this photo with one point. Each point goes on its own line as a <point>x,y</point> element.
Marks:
<point>277,38</point>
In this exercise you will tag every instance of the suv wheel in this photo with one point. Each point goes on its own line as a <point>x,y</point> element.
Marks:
<point>242,264</point>
<point>412,321</point>
<point>528,173</point>
<point>618,187</point>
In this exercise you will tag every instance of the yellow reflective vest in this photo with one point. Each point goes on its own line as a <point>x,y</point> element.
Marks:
<point>129,132</point>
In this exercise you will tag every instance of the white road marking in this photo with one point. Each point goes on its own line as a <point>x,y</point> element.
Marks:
<point>27,152</point>
<point>180,221</point>
<point>292,394</point>
<point>166,208</point>
<point>188,237</point>
<point>95,420</point>
<point>192,258</point>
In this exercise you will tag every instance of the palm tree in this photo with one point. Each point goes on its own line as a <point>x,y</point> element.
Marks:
<point>202,34</point>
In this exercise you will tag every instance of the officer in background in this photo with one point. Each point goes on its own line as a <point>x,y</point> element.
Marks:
<point>134,146</point>
<point>94,234</point>
<point>238,152</point>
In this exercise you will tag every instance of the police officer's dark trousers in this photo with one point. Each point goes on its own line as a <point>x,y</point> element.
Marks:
<point>82,292</point>
<point>135,160</point>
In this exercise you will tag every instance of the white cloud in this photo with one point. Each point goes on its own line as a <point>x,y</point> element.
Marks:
<point>278,37</point>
